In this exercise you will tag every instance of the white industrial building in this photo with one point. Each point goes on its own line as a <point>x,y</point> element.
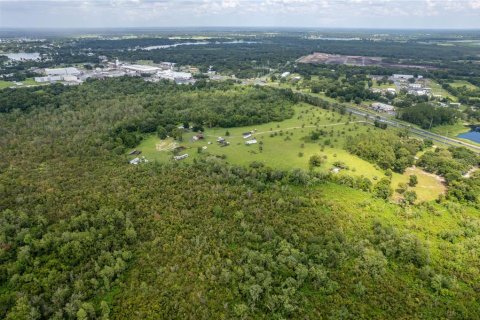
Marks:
<point>138,68</point>
<point>70,71</point>
<point>67,78</point>
<point>403,76</point>
<point>418,92</point>
<point>167,65</point>
<point>178,77</point>
<point>392,90</point>
<point>383,107</point>
<point>69,74</point>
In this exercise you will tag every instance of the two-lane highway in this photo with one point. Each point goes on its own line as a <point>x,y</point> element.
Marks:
<point>414,130</point>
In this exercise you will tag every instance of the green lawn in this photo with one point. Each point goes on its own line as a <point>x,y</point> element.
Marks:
<point>462,83</point>
<point>452,131</point>
<point>283,148</point>
<point>429,186</point>
<point>438,90</point>
<point>280,150</point>
<point>5,84</point>
<point>30,82</point>
<point>26,82</point>
<point>383,85</point>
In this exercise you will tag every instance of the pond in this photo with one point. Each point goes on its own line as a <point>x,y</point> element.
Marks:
<point>199,43</point>
<point>472,136</point>
<point>19,56</point>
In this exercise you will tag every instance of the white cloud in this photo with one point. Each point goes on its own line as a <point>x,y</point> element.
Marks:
<point>321,13</point>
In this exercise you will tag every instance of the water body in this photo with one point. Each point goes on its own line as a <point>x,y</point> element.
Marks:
<point>472,136</point>
<point>198,43</point>
<point>19,56</point>
<point>334,38</point>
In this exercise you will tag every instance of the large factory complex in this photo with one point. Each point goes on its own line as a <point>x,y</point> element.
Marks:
<point>157,72</point>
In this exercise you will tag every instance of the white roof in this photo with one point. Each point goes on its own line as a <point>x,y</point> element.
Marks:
<point>405,76</point>
<point>383,106</point>
<point>173,75</point>
<point>183,156</point>
<point>135,161</point>
<point>62,71</point>
<point>140,68</point>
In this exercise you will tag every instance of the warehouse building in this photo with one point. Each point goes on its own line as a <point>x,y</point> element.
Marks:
<point>70,71</point>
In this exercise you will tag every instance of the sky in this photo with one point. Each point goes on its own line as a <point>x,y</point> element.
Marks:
<point>399,14</point>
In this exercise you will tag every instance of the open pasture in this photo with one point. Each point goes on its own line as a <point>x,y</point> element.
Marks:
<point>288,145</point>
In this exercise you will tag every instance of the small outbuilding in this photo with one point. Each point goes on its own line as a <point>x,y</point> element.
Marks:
<point>181,157</point>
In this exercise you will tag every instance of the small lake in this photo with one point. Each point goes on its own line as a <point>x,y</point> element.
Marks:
<point>472,136</point>
<point>22,56</point>
<point>199,43</point>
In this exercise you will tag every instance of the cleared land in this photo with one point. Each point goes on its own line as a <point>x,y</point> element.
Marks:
<point>428,188</point>
<point>463,83</point>
<point>383,85</point>
<point>285,145</point>
<point>5,84</point>
<point>26,82</point>
<point>438,90</point>
<point>280,145</point>
<point>327,58</point>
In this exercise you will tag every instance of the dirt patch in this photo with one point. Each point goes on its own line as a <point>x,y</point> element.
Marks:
<point>470,172</point>
<point>166,146</point>
<point>362,61</point>
<point>417,171</point>
<point>326,58</point>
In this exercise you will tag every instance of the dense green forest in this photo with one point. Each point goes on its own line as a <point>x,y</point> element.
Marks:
<point>427,116</point>
<point>387,149</point>
<point>85,235</point>
<point>255,55</point>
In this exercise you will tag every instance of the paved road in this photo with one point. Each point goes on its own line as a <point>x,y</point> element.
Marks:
<point>419,132</point>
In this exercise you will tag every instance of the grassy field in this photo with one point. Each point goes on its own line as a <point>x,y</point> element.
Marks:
<point>145,62</point>
<point>427,225</point>
<point>462,83</point>
<point>26,82</point>
<point>283,145</point>
<point>383,85</point>
<point>5,84</point>
<point>437,89</point>
<point>452,131</point>
<point>428,188</point>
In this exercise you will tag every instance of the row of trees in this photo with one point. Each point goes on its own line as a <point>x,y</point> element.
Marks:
<point>387,149</point>
<point>428,116</point>
<point>85,235</point>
